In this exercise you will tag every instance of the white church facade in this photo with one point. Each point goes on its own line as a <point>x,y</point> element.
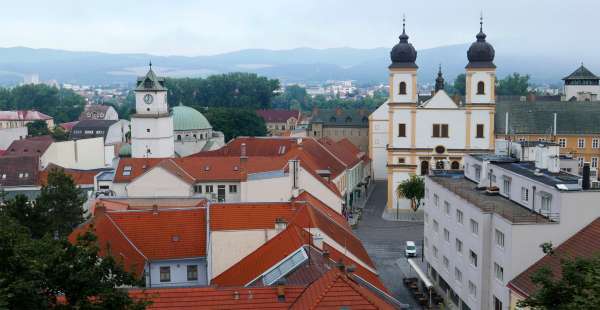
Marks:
<point>434,134</point>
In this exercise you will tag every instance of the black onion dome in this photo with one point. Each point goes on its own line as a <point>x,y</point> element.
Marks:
<point>403,54</point>
<point>481,53</point>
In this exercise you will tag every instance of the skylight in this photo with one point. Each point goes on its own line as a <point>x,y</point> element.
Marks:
<point>285,266</point>
<point>127,170</point>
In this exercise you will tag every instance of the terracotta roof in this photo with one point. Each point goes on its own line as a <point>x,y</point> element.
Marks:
<point>316,203</point>
<point>583,244</point>
<point>360,271</point>
<point>23,115</point>
<point>68,126</point>
<point>218,298</point>
<point>336,289</point>
<point>345,151</point>
<point>33,146</point>
<point>123,204</point>
<point>19,170</point>
<point>243,216</point>
<point>263,258</point>
<point>80,177</point>
<point>278,116</point>
<point>255,146</point>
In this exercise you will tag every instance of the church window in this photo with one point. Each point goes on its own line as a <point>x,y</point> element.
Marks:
<point>481,88</point>
<point>479,131</point>
<point>147,83</point>
<point>455,165</point>
<point>195,137</point>
<point>401,130</point>
<point>440,131</point>
<point>147,129</point>
<point>178,137</point>
<point>402,88</point>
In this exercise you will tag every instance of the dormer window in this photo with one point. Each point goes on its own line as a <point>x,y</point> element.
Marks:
<point>147,83</point>
<point>402,88</point>
<point>126,170</point>
<point>481,88</point>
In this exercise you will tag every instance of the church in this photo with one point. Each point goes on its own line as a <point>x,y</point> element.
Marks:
<point>160,132</point>
<point>412,137</point>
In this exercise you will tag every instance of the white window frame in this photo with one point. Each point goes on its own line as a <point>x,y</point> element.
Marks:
<point>524,194</point>
<point>473,259</point>
<point>459,216</point>
<point>447,207</point>
<point>498,272</point>
<point>472,289</point>
<point>595,143</point>
<point>458,244</point>
<point>474,227</point>
<point>594,162</point>
<point>562,142</point>
<point>458,275</point>
<point>447,235</point>
<point>580,143</point>
<point>499,236</point>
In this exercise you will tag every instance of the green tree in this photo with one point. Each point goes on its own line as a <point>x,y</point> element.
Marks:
<point>236,122</point>
<point>59,134</point>
<point>577,287</point>
<point>26,214</point>
<point>460,85</point>
<point>514,84</point>
<point>62,104</point>
<point>37,128</point>
<point>413,189</point>
<point>61,201</point>
<point>55,274</point>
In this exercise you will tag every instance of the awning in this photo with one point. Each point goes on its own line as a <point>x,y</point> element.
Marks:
<point>422,275</point>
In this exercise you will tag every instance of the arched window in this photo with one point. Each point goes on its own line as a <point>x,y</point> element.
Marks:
<point>439,165</point>
<point>195,136</point>
<point>480,88</point>
<point>424,167</point>
<point>178,137</point>
<point>455,165</point>
<point>402,88</point>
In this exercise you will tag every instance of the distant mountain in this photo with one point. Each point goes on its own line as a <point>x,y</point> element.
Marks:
<point>304,65</point>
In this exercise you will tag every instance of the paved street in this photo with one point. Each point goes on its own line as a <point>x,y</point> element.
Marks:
<point>384,241</point>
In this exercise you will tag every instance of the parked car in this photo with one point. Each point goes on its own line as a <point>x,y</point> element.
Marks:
<point>410,250</point>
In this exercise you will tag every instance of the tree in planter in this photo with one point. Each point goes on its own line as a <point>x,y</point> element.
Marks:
<point>413,189</point>
<point>577,287</point>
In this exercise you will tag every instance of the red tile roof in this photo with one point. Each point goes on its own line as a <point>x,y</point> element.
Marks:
<point>344,150</point>
<point>23,115</point>
<point>33,146</point>
<point>316,203</point>
<point>361,271</point>
<point>336,289</point>
<point>255,146</point>
<point>583,244</point>
<point>68,126</point>
<point>80,177</point>
<point>278,116</point>
<point>138,166</point>
<point>243,216</point>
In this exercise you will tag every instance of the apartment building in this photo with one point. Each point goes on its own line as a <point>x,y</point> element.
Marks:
<point>483,227</point>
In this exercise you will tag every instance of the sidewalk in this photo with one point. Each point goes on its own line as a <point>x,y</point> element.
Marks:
<point>360,206</point>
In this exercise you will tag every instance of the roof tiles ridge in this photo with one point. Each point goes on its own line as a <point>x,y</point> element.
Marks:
<point>125,236</point>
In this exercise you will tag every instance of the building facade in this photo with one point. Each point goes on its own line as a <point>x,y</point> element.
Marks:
<point>99,112</point>
<point>581,85</point>
<point>20,118</point>
<point>338,124</point>
<point>280,122</point>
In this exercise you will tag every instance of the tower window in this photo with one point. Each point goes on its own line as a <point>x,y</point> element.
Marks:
<point>479,131</point>
<point>147,129</point>
<point>481,88</point>
<point>402,88</point>
<point>178,137</point>
<point>401,130</point>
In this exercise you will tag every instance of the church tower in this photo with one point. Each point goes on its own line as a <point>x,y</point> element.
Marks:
<point>403,71</point>
<point>480,71</point>
<point>152,124</point>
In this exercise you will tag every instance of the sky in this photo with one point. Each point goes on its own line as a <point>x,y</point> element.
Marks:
<point>200,27</point>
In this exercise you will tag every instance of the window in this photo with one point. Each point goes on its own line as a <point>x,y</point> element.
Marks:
<point>562,142</point>
<point>474,227</point>
<point>446,235</point>
<point>546,201</point>
<point>580,161</point>
<point>147,129</point>
<point>499,238</point>
<point>473,258</point>
<point>457,275</point>
<point>499,271</point>
<point>524,194</point>
<point>435,252</point>
<point>580,143</point>
<point>192,272</point>
<point>447,208</point>
<point>481,88</point>
<point>209,188</point>
<point>165,274</point>
<point>436,226</point>
<point>594,162</point>
<point>401,130</point>
<point>497,303</point>
<point>472,289</point>
<point>402,88</point>
<point>459,245</point>
<point>479,131</point>
<point>440,131</point>
<point>436,200</point>
<point>126,170</point>
<point>595,143</point>
<point>506,187</point>
<point>477,173</point>
<point>401,160</point>
<point>459,216</point>
<point>198,189</point>
<point>446,262</point>
<point>233,188</point>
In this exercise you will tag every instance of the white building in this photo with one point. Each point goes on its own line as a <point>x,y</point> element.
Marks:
<point>437,133</point>
<point>484,228</point>
<point>378,141</point>
<point>152,124</point>
<point>581,85</point>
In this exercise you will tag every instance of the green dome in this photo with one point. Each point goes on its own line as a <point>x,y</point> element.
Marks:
<point>186,118</point>
<point>125,150</point>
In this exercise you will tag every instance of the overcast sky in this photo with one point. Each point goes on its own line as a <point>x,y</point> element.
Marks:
<point>181,27</point>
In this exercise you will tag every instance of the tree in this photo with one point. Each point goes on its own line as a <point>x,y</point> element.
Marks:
<point>37,128</point>
<point>513,85</point>
<point>236,122</point>
<point>460,84</point>
<point>413,189</point>
<point>59,134</point>
<point>55,274</point>
<point>577,287</point>
<point>26,214</point>
<point>61,202</point>
<point>62,104</point>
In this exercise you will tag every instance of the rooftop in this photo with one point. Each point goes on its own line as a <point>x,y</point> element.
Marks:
<point>278,115</point>
<point>467,190</point>
<point>23,115</point>
<point>528,170</point>
<point>32,146</point>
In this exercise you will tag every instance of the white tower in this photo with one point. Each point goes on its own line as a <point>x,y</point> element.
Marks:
<point>481,71</point>
<point>152,124</point>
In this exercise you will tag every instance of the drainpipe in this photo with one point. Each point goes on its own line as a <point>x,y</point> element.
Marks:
<point>208,245</point>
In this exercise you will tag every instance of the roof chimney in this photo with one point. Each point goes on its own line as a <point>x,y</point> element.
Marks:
<point>585,183</point>
<point>281,290</point>
<point>99,208</point>
<point>155,209</point>
<point>243,151</point>
<point>280,224</point>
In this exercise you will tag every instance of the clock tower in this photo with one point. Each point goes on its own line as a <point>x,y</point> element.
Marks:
<point>152,123</point>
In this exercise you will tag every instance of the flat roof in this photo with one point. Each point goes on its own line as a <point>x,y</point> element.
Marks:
<point>528,170</point>
<point>498,204</point>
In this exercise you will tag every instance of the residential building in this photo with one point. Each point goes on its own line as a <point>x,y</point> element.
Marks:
<point>193,133</point>
<point>99,112</point>
<point>378,141</point>
<point>418,138</point>
<point>484,227</point>
<point>152,133</point>
<point>280,122</point>
<point>112,131</point>
<point>20,118</point>
<point>337,124</point>
<point>581,85</point>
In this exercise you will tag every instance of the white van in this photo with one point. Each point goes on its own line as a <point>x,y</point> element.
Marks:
<point>410,250</point>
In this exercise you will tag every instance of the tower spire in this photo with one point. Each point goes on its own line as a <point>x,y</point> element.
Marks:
<point>403,23</point>
<point>403,37</point>
<point>150,64</point>
<point>439,81</point>
<point>481,21</point>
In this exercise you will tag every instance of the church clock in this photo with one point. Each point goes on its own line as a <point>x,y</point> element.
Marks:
<point>148,99</point>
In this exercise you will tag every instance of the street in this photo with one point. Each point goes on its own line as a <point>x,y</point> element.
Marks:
<point>384,241</point>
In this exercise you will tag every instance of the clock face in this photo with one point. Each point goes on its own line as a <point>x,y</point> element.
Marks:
<point>148,99</point>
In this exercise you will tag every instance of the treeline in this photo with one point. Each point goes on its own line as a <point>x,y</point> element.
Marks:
<point>62,104</point>
<point>512,85</point>
<point>296,97</point>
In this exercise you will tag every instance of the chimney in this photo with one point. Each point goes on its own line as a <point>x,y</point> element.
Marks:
<point>585,183</point>
<point>281,290</point>
<point>280,224</point>
<point>236,295</point>
<point>155,209</point>
<point>243,151</point>
<point>99,208</point>
<point>531,97</point>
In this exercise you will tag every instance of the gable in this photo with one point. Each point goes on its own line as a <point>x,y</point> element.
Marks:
<point>159,181</point>
<point>440,100</point>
